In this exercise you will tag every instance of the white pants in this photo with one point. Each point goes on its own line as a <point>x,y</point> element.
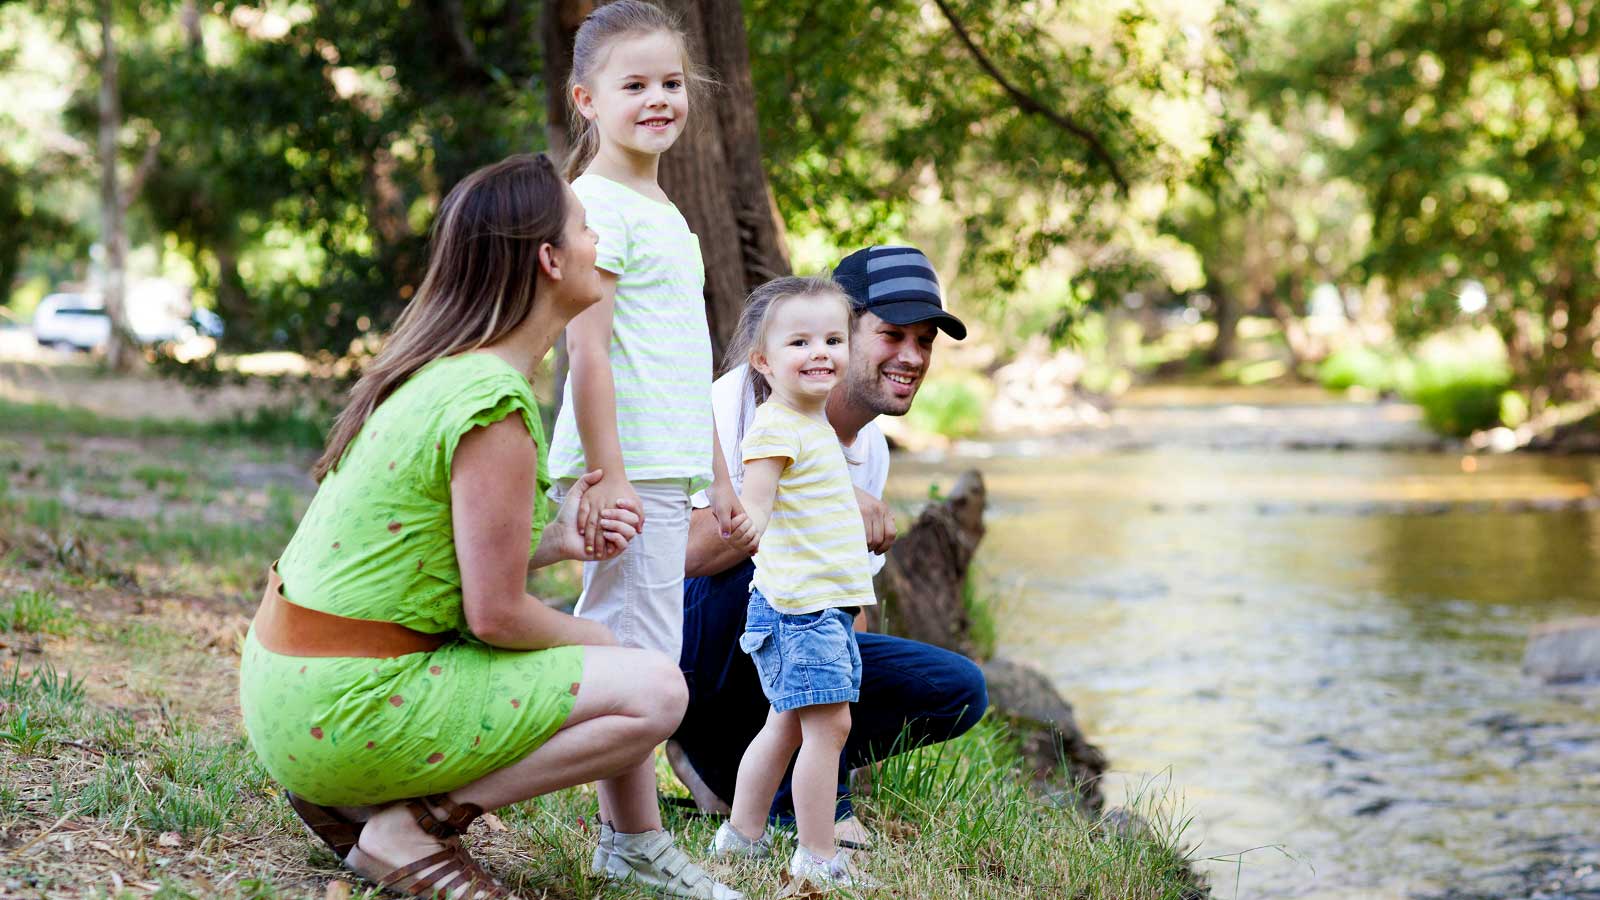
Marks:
<point>638,594</point>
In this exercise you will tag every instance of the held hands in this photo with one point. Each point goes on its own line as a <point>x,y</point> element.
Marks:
<point>878,519</point>
<point>736,528</point>
<point>604,494</point>
<point>594,526</point>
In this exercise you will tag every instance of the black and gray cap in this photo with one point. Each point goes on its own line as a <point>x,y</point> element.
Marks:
<point>898,285</point>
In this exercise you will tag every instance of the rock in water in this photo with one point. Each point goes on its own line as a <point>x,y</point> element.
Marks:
<point>1566,650</point>
<point>1051,741</point>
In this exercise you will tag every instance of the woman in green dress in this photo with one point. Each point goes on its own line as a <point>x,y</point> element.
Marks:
<point>398,680</point>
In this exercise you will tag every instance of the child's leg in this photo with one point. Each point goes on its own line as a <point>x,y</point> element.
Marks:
<point>628,800</point>
<point>761,769</point>
<point>639,595</point>
<point>824,730</point>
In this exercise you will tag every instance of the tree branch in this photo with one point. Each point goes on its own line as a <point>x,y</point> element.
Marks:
<point>147,165</point>
<point>1029,104</point>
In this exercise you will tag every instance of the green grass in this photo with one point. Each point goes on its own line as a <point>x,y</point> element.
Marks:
<point>980,831</point>
<point>269,425</point>
<point>38,612</point>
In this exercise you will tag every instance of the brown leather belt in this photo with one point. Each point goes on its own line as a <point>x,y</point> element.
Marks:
<point>290,630</point>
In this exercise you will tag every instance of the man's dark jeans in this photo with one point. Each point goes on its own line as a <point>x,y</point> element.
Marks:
<point>912,694</point>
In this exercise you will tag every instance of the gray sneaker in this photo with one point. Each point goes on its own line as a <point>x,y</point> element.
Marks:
<point>731,843</point>
<point>602,851</point>
<point>823,873</point>
<point>653,859</point>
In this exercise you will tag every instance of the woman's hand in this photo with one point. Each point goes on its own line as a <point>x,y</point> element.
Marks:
<point>617,523</point>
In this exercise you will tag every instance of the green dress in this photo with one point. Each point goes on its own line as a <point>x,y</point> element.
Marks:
<point>377,543</point>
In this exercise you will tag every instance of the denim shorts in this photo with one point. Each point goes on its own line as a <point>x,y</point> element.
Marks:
<point>804,660</point>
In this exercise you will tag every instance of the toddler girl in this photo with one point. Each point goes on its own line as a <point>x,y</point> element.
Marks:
<point>812,575</point>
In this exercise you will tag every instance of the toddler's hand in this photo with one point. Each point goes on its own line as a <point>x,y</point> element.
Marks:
<point>735,527</point>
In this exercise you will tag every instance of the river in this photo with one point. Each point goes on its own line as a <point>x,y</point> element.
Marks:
<point>1301,623</point>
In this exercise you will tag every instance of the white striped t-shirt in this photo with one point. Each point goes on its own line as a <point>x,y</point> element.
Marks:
<point>812,553</point>
<point>660,343</point>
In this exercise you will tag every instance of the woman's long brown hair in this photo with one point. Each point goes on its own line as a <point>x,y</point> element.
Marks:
<point>483,265</point>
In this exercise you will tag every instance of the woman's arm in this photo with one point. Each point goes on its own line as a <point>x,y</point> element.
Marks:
<point>492,480</point>
<point>594,398</point>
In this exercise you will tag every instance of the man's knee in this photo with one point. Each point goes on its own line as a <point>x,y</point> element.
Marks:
<point>969,696</point>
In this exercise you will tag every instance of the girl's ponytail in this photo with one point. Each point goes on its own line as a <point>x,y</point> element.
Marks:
<point>585,144</point>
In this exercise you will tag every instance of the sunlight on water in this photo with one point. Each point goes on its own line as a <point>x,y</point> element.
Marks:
<point>1321,650</point>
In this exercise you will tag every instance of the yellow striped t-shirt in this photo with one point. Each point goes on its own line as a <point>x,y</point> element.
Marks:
<point>812,554</point>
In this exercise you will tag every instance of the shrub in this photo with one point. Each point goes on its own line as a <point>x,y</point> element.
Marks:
<point>1458,395</point>
<point>1357,365</point>
<point>952,408</point>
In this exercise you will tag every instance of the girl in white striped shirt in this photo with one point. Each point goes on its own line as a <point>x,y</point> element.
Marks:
<point>637,402</point>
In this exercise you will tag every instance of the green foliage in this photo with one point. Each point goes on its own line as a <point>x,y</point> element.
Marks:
<point>951,407</point>
<point>1357,365</point>
<point>886,122</point>
<point>1459,380</point>
<point>1468,128</point>
<point>1458,397</point>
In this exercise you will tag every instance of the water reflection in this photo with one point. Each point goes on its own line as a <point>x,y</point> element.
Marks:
<point>1323,647</point>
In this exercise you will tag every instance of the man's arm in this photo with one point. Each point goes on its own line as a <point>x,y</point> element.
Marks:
<point>708,553</point>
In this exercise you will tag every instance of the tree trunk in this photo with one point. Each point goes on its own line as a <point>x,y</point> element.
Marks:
<point>233,300</point>
<point>113,235</point>
<point>714,172</point>
<point>1228,313</point>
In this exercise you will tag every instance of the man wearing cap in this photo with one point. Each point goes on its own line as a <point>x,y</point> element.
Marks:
<point>912,694</point>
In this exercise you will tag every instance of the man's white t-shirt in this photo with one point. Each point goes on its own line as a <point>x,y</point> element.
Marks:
<point>733,403</point>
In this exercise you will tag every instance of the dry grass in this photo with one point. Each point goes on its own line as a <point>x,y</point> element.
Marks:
<point>128,565</point>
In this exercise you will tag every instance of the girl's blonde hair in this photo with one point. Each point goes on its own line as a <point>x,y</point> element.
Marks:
<point>483,264</point>
<point>755,321</point>
<point>602,28</point>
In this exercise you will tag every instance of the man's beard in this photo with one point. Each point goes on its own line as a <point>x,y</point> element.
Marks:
<point>868,391</point>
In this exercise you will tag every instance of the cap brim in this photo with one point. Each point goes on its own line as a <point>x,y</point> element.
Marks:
<point>910,312</point>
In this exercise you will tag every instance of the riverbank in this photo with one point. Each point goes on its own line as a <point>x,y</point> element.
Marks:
<point>132,552</point>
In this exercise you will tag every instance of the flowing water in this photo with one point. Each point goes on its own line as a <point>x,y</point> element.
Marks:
<point>1315,652</point>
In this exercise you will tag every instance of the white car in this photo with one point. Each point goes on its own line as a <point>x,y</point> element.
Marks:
<point>157,314</point>
<point>75,321</point>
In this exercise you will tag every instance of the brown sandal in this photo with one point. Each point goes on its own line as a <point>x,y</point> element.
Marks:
<point>457,816</point>
<point>452,869</point>
<point>338,831</point>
